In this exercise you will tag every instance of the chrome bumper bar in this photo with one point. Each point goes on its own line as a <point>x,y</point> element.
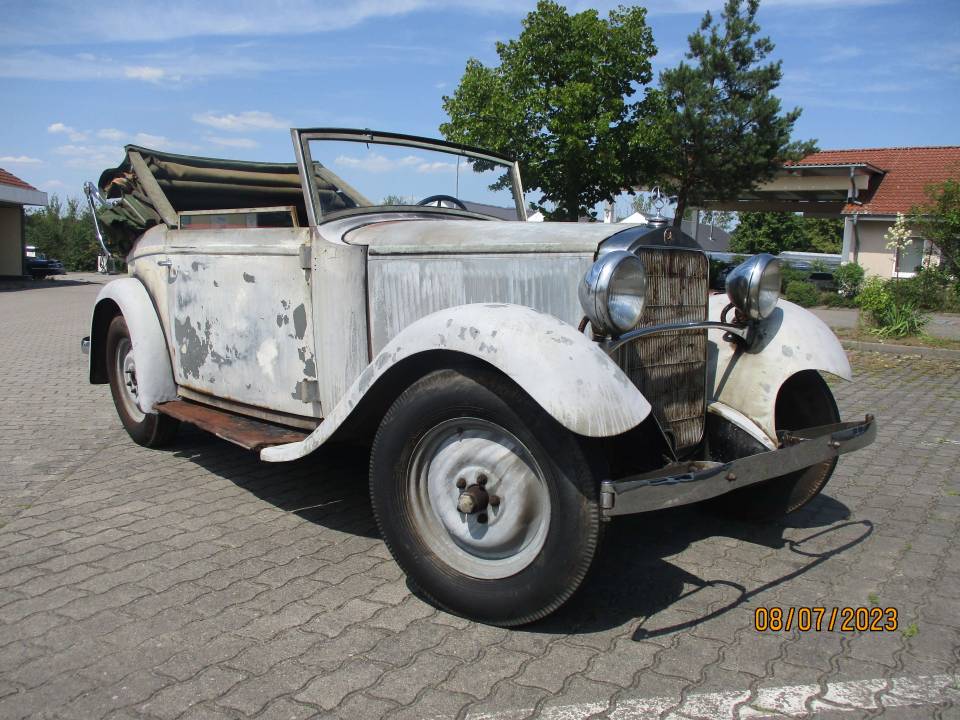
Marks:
<point>690,482</point>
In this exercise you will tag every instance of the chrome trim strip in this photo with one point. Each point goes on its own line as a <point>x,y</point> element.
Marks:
<point>684,483</point>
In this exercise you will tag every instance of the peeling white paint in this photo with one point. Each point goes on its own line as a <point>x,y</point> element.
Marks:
<point>267,357</point>
<point>793,339</point>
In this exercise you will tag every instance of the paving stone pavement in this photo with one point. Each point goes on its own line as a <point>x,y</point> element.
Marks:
<point>197,582</point>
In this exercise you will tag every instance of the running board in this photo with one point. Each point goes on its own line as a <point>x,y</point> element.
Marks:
<point>244,431</point>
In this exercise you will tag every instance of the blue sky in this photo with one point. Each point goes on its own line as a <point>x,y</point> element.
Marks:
<point>78,80</point>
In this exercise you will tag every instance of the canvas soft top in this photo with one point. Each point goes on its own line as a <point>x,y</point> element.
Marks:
<point>153,187</point>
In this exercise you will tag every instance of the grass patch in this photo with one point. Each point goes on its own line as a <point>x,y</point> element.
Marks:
<point>911,630</point>
<point>873,599</point>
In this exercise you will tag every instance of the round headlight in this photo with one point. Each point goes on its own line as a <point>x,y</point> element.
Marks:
<point>612,292</point>
<point>754,286</point>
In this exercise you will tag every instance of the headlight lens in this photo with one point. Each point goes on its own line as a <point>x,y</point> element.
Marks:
<point>754,286</point>
<point>612,292</point>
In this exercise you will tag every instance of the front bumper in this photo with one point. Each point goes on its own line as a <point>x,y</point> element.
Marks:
<point>690,482</point>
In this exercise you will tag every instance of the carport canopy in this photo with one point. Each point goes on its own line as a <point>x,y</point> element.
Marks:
<point>809,186</point>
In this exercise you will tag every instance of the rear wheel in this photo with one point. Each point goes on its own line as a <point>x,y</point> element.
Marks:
<point>804,401</point>
<point>147,429</point>
<point>485,501</point>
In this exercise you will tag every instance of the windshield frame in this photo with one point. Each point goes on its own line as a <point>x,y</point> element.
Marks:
<point>301,143</point>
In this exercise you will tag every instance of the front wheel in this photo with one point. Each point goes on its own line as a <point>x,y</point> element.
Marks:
<point>147,429</point>
<point>485,501</point>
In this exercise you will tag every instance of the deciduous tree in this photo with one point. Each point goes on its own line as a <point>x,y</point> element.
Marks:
<point>560,103</point>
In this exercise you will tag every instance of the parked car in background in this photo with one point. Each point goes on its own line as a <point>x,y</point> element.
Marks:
<point>520,383</point>
<point>38,266</point>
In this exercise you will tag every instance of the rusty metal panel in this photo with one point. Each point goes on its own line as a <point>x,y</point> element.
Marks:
<point>241,316</point>
<point>670,368</point>
<point>404,289</point>
<point>243,431</point>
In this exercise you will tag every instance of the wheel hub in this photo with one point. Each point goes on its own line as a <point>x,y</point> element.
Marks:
<point>479,498</point>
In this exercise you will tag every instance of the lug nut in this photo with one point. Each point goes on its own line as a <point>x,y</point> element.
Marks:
<point>461,483</point>
<point>481,479</point>
<point>494,500</point>
<point>482,518</point>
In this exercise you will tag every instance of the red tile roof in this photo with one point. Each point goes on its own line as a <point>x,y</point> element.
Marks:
<point>11,179</point>
<point>907,171</point>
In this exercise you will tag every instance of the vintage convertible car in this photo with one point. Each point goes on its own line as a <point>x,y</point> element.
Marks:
<point>520,383</point>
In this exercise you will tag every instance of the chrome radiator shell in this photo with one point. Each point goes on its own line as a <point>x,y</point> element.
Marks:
<point>670,368</point>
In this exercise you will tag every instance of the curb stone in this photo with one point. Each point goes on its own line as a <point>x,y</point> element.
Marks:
<point>925,352</point>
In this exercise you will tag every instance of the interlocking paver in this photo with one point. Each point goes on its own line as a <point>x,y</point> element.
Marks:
<point>198,582</point>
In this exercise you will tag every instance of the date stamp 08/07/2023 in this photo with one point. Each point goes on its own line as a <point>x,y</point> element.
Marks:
<point>825,619</point>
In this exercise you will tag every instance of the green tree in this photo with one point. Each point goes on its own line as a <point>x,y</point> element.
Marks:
<point>823,235</point>
<point>769,232</point>
<point>558,103</point>
<point>64,232</point>
<point>721,127</point>
<point>939,221</point>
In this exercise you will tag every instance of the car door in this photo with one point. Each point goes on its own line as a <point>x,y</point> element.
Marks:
<point>240,318</point>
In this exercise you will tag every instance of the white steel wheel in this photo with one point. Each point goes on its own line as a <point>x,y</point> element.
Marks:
<point>487,503</point>
<point>126,370</point>
<point>478,498</point>
<point>148,429</point>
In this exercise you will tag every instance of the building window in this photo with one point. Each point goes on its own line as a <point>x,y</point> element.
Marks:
<point>910,258</point>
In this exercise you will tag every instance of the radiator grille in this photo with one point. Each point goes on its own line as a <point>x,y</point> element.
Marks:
<point>670,368</point>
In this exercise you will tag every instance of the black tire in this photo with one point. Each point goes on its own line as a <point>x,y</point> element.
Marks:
<point>804,401</point>
<point>147,429</point>
<point>446,398</point>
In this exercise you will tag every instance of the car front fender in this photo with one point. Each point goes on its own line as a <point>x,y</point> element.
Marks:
<point>155,381</point>
<point>791,340</point>
<point>559,367</point>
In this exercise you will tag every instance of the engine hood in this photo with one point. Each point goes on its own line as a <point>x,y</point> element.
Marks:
<point>433,237</point>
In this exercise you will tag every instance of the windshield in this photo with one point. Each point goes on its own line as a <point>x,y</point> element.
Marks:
<point>350,174</point>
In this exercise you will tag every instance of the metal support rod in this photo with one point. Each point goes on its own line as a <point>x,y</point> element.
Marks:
<point>90,190</point>
<point>740,331</point>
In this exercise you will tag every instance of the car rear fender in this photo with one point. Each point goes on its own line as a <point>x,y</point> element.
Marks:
<point>791,340</point>
<point>128,296</point>
<point>560,368</point>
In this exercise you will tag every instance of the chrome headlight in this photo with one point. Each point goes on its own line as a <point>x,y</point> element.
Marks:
<point>612,292</point>
<point>754,286</point>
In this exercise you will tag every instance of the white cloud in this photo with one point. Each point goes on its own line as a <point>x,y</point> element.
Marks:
<point>58,128</point>
<point>93,158</point>
<point>372,163</point>
<point>19,160</point>
<point>112,134</point>
<point>241,122</point>
<point>53,184</point>
<point>436,167</point>
<point>375,163</point>
<point>236,142</point>
<point>147,73</point>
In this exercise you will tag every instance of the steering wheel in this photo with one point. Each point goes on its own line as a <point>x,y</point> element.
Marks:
<point>440,198</point>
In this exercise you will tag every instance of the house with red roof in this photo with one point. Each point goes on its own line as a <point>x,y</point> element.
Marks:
<point>867,188</point>
<point>14,195</point>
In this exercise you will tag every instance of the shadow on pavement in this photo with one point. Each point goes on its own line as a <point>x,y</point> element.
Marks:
<point>17,285</point>
<point>632,578</point>
<point>328,488</point>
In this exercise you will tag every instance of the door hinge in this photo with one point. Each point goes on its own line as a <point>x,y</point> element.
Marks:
<point>306,257</point>
<point>308,391</point>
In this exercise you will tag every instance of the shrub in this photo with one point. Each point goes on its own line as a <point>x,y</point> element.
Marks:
<point>890,316</point>
<point>802,293</point>
<point>849,279</point>
<point>836,300</point>
<point>790,274</point>
<point>930,289</point>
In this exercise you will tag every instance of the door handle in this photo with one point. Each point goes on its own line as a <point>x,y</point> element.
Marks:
<point>165,263</point>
